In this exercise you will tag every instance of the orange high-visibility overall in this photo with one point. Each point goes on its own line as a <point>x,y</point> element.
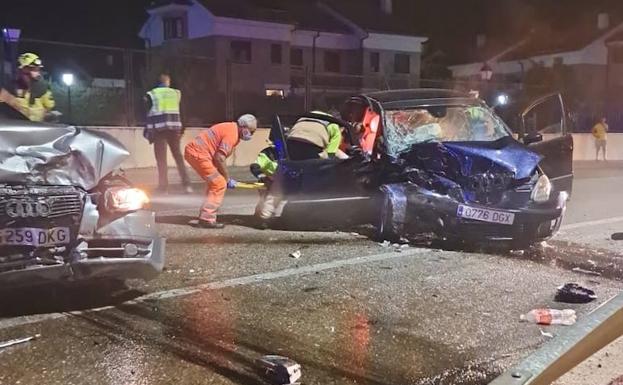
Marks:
<point>200,153</point>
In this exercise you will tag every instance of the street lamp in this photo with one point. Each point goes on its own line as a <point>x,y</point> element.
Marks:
<point>68,79</point>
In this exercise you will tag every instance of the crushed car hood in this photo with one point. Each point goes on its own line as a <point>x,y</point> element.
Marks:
<point>40,154</point>
<point>468,158</point>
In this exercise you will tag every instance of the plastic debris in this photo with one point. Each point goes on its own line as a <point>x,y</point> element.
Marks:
<point>546,334</point>
<point>550,317</point>
<point>296,254</point>
<point>574,293</point>
<point>279,370</point>
<point>385,244</point>
<point>18,341</point>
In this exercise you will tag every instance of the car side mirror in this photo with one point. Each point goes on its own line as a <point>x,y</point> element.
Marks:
<point>533,138</point>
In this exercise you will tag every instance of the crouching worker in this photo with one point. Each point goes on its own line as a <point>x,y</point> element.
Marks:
<point>264,169</point>
<point>208,154</point>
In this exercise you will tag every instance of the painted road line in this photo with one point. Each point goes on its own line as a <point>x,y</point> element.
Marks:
<point>240,281</point>
<point>606,221</point>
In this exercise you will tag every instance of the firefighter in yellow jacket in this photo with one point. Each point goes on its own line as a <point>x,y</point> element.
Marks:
<point>33,97</point>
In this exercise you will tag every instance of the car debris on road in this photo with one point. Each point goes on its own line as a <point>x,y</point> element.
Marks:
<point>296,254</point>
<point>280,370</point>
<point>574,293</point>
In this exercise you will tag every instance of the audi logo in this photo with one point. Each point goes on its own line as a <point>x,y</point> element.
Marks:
<point>22,208</point>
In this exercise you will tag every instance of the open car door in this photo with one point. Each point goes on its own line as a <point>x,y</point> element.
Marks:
<point>544,130</point>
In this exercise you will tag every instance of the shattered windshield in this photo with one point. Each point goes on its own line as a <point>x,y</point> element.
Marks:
<point>405,128</point>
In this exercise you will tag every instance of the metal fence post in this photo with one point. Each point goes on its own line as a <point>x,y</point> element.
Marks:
<point>308,89</point>
<point>229,92</point>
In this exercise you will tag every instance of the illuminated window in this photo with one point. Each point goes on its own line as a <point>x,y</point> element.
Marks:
<point>275,92</point>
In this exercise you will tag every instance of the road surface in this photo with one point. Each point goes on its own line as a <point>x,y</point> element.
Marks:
<point>349,310</point>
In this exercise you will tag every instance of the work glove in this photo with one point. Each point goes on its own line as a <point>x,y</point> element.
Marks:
<point>149,135</point>
<point>231,183</point>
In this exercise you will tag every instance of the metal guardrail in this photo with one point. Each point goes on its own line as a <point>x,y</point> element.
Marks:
<point>570,348</point>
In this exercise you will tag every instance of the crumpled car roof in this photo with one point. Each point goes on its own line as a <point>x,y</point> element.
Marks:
<point>44,154</point>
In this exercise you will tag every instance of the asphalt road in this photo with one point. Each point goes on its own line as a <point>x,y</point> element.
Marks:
<point>349,310</point>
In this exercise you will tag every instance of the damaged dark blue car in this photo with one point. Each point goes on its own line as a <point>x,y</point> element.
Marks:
<point>439,162</point>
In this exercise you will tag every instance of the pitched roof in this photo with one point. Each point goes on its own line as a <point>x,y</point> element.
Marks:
<point>302,13</point>
<point>367,15</point>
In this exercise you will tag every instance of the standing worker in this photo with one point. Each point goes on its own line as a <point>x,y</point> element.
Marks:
<point>33,97</point>
<point>600,132</point>
<point>208,154</point>
<point>164,126</point>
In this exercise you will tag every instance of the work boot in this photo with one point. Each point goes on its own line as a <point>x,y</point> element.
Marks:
<point>209,225</point>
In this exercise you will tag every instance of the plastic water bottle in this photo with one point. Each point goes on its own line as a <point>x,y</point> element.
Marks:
<point>550,317</point>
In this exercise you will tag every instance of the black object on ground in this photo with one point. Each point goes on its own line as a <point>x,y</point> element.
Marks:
<point>574,293</point>
<point>279,370</point>
<point>617,236</point>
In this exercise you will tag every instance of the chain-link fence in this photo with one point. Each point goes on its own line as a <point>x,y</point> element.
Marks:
<point>110,85</point>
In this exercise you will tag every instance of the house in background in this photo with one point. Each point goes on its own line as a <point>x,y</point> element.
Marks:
<point>271,47</point>
<point>583,47</point>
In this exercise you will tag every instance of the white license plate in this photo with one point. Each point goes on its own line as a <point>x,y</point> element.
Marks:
<point>485,215</point>
<point>29,236</point>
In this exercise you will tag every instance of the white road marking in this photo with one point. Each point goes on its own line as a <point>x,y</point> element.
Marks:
<point>240,281</point>
<point>607,221</point>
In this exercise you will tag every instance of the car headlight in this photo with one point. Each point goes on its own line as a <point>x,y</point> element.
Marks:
<point>542,189</point>
<point>122,199</point>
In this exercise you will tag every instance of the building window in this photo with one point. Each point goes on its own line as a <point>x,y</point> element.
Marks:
<point>241,51</point>
<point>174,27</point>
<point>375,62</point>
<point>616,54</point>
<point>275,92</point>
<point>275,54</point>
<point>402,63</point>
<point>332,61</point>
<point>296,57</point>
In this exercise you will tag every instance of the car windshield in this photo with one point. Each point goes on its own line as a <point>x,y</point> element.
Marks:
<point>405,128</point>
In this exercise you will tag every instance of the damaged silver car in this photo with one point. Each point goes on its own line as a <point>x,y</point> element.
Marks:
<point>64,214</point>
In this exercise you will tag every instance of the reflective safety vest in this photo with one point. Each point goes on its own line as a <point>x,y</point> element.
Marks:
<point>320,133</point>
<point>165,109</point>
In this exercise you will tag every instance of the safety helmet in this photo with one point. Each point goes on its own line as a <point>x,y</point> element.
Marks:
<point>29,59</point>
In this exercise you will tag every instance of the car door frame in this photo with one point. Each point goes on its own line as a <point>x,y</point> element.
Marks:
<point>557,153</point>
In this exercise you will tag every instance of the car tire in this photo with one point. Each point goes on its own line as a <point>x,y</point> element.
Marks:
<point>386,228</point>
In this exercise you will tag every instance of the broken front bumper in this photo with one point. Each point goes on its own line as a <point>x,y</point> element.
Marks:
<point>122,248</point>
<point>423,211</point>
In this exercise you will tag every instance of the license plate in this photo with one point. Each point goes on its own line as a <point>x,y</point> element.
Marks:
<point>485,215</point>
<point>29,236</point>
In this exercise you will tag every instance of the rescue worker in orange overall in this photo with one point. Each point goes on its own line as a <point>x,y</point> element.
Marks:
<point>208,153</point>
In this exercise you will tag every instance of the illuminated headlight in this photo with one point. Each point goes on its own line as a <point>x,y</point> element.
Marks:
<point>542,190</point>
<point>122,199</point>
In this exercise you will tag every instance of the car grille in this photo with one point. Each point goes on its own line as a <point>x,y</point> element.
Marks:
<point>37,204</point>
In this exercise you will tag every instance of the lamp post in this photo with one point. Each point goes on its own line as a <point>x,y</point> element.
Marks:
<point>68,80</point>
<point>10,39</point>
<point>486,73</point>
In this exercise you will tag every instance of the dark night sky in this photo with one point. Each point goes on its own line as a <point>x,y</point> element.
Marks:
<point>116,22</point>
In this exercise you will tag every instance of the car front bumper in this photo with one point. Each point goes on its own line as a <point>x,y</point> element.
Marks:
<point>425,211</point>
<point>127,247</point>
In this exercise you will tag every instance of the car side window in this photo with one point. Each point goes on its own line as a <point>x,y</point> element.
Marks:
<point>545,118</point>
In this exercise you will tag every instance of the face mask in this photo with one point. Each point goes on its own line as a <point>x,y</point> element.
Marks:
<point>245,135</point>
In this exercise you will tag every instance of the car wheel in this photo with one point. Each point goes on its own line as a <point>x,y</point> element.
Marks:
<point>386,228</point>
